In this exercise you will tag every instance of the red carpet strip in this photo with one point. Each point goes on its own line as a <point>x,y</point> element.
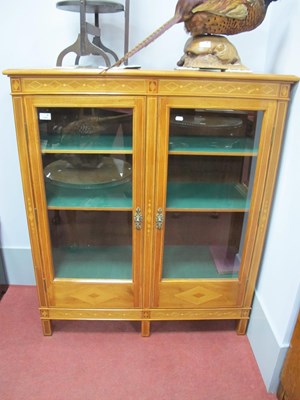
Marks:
<point>107,360</point>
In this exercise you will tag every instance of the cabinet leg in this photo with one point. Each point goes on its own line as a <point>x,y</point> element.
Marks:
<point>280,392</point>
<point>145,328</point>
<point>241,326</point>
<point>47,328</point>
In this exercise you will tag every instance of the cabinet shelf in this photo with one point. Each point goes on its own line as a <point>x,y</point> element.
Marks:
<point>207,196</point>
<point>86,144</point>
<point>212,145</point>
<point>105,197</point>
<point>103,262</point>
<point>191,262</point>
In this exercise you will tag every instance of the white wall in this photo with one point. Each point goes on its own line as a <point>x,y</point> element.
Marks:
<point>281,262</point>
<point>278,290</point>
<point>33,33</point>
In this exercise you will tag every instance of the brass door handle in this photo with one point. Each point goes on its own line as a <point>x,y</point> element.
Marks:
<point>138,218</point>
<point>159,219</point>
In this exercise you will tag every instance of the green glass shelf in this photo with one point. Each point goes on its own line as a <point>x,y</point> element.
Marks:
<point>191,262</point>
<point>90,143</point>
<point>104,262</point>
<point>119,196</point>
<point>205,144</point>
<point>212,196</point>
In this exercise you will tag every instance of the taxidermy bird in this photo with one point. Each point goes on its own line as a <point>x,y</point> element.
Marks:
<point>226,17</point>
<point>217,17</point>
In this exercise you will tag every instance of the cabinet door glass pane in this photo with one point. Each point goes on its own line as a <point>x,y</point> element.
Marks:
<point>211,167</point>
<point>91,245</point>
<point>213,131</point>
<point>85,129</point>
<point>87,160</point>
<point>88,180</point>
<point>202,245</point>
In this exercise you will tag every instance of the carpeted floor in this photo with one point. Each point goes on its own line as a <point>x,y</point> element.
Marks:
<point>100,360</point>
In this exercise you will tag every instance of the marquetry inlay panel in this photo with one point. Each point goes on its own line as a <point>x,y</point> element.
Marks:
<point>96,85</point>
<point>93,296</point>
<point>199,295</point>
<point>153,87</point>
<point>284,91</point>
<point>219,88</point>
<point>30,214</point>
<point>191,295</point>
<point>245,313</point>
<point>44,313</point>
<point>149,222</point>
<point>61,314</point>
<point>16,85</point>
<point>182,314</point>
<point>264,214</point>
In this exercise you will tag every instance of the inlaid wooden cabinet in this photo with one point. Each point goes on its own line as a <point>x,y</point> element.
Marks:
<point>147,192</point>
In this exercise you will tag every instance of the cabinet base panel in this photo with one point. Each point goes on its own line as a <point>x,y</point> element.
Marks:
<point>240,315</point>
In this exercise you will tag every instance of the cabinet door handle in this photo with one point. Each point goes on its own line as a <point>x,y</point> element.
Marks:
<point>138,218</point>
<point>159,219</point>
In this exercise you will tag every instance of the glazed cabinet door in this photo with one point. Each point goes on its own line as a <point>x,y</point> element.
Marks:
<point>212,167</point>
<point>86,163</point>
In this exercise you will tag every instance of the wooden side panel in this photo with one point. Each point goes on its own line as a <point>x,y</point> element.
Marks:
<point>30,202</point>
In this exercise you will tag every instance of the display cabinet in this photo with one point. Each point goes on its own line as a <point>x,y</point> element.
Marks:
<point>147,192</point>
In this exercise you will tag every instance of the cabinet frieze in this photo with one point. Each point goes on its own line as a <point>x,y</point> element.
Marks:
<point>180,87</point>
<point>88,85</point>
<point>222,88</point>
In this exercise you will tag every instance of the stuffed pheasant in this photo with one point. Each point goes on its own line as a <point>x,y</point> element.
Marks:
<point>226,17</point>
<point>215,17</point>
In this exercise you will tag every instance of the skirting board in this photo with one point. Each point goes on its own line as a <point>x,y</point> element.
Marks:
<point>269,354</point>
<point>18,266</point>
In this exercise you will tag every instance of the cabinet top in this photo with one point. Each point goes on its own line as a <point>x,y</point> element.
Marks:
<point>179,83</point>
<point>140,73</point>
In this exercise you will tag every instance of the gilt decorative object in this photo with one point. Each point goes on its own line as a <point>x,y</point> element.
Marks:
<point>212,52</point>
